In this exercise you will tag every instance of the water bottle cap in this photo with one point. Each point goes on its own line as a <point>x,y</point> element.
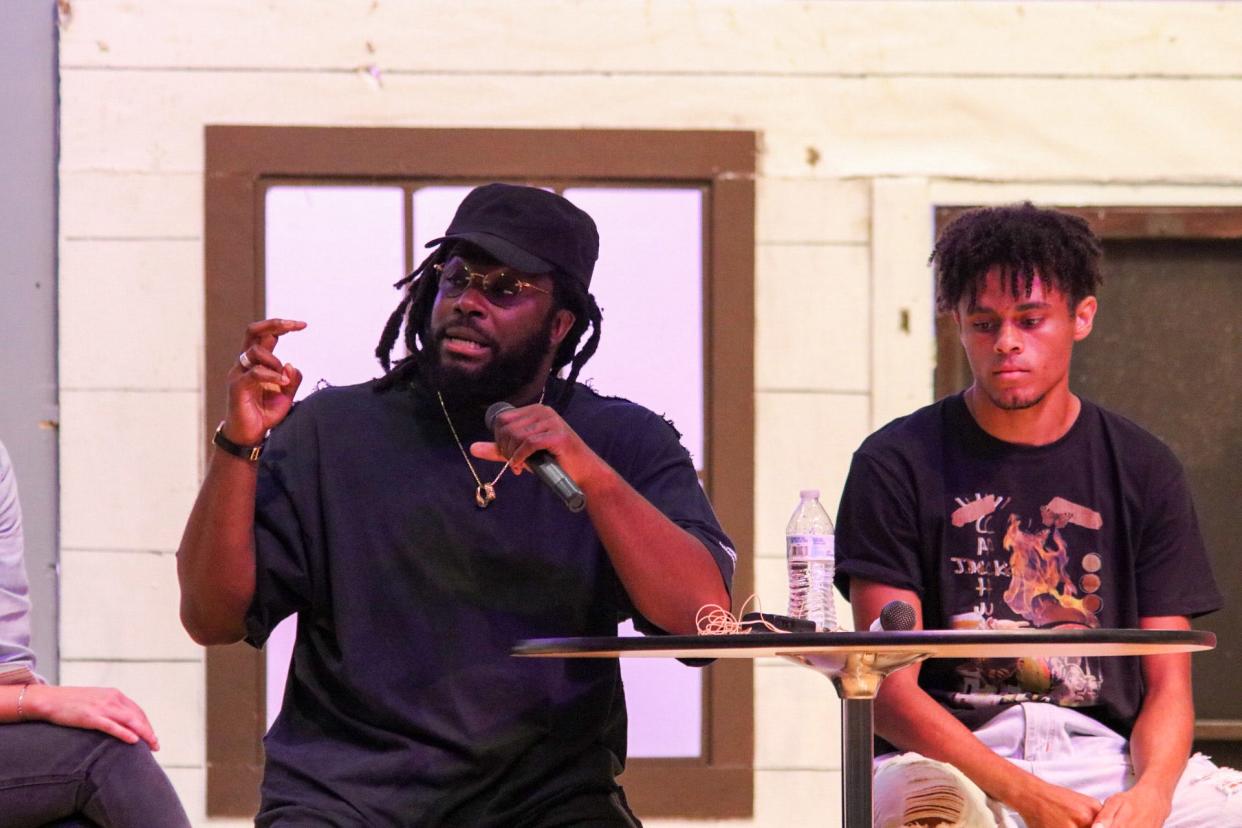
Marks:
<point>809,494</point>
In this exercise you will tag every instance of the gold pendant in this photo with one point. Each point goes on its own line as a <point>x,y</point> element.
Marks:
<point>484,495</point>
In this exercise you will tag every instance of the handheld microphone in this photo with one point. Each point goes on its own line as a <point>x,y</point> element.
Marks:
<point>544,465</point>
<point>897,616</point>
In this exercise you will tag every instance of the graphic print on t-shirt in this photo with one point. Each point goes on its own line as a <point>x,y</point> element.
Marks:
<point>1016,571</point>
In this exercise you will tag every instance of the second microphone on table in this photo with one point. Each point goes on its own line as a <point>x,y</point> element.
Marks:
<point>897,616</point>
<point>544,465</point>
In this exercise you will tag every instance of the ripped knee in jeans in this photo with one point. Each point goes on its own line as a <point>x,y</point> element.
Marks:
<point>912,791</point>
<point>1226,780</point>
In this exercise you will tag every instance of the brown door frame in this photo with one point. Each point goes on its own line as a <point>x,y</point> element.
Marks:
<point>1108,223</point>
<point>241,160</point>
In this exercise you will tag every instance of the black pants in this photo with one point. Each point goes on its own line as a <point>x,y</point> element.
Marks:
<point>588,810</point>
<point>585,809</point>
<point>70,777</point>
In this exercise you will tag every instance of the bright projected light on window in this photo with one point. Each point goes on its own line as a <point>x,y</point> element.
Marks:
<point>332,254</point>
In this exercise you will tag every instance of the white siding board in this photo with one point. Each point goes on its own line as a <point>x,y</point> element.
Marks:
<point>812,211</point>
<point>109,205</point>
<point>606,36</point>
<point>1039,130</point>
<point>1082,194</point>
<point>129,469</point>
<point>143,302</point>
<point>797,718</point>
<point>803,798</point>
<point>903,339</point>
<point>134,614</point>
<point>802,441</point>
<point>811,328</point>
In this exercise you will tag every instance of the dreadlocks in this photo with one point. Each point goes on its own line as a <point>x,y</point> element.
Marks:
<point>415,311</point>
<point>1023,241</point>
<point>571,295</point>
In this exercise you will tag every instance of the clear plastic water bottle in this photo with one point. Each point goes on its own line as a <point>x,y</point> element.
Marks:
<point>811,558</point>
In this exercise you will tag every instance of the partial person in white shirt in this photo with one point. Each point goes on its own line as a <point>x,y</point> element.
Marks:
<point>69,756</point>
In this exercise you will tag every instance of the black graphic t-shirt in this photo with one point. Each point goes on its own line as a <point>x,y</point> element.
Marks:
<point>404,706</point>
<point>1094,530</point>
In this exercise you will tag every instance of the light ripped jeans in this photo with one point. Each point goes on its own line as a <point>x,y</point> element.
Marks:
<point>1060,746</point>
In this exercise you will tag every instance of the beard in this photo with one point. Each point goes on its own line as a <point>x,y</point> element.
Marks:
<point>1014,402</point>
<point>508,372</point>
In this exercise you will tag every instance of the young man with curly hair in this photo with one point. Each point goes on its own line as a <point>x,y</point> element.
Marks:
<point>1017,504</point>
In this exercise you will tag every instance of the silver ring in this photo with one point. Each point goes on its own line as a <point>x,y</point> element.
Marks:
<point>245,362</point>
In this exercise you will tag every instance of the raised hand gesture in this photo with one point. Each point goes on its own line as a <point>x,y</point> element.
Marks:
<point>261,387</point>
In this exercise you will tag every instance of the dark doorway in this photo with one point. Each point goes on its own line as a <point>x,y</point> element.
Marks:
<point>1166,352</point>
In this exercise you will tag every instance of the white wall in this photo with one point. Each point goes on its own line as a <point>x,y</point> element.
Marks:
<point>870,114</point>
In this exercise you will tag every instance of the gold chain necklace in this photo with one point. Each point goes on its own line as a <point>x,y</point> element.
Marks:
<point>484,493</point>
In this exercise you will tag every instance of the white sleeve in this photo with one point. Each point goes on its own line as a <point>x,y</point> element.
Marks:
<point>14,588</point>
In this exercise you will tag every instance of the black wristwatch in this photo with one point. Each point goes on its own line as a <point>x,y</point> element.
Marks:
<point>250,453</point>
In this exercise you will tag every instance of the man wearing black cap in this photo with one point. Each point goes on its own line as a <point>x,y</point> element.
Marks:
<point>416,552</point>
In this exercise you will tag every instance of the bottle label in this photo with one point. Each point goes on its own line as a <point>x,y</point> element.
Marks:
<point>810,547</point>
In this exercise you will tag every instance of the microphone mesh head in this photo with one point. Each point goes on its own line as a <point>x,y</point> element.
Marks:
<point>493,411</point>
<point>897,616</point>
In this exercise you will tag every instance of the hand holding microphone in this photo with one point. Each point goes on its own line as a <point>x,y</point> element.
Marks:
<point>543,464</point>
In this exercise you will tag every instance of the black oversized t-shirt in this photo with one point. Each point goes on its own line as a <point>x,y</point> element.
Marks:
<point>403,704</point>
<point>1096,530</point>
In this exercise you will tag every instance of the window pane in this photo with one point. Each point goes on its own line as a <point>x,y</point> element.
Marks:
<point>649,284</point>
<point>433,210</point>
<point>331,256</point>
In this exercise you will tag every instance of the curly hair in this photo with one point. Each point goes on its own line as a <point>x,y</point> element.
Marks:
<point>415,307</point>
<point>1023,241</point>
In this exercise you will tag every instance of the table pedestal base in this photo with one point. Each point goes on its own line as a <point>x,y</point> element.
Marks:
<point>857,677</point>
<point>857,754</point>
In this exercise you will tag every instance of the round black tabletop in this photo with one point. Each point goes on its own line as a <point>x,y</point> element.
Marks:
<point>931,643</point>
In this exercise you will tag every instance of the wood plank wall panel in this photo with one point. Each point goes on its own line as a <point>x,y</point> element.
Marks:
<point>992,128</point>
<point>955,102</point>
<point>605,36</point>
